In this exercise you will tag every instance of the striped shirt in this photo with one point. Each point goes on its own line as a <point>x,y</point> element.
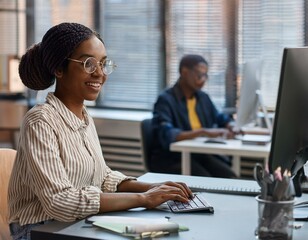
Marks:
<point>59,171</point>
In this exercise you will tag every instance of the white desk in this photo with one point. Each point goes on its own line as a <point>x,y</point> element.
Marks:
<point>233,148</point>
<point>12,113</point>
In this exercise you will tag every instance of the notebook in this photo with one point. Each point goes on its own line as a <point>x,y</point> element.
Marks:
<point>300,210</point>
<point>233,186</point>
<point>209,184</point>
<point>135,227</point>
<point>254,139</point>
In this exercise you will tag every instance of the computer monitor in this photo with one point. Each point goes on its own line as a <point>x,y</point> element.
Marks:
<point>248,99</point>
<point>290,130</point>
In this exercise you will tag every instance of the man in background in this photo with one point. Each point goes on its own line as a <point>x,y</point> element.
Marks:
<point>184,111</point>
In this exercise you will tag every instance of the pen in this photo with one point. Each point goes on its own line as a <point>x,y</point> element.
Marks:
<point>268,179</point>
<point>280,189</point>
<point>258,173</point>
<point>277,174</point>
<point>154,234</point>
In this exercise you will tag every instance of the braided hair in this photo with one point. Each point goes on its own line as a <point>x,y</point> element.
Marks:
<point>38,65</point>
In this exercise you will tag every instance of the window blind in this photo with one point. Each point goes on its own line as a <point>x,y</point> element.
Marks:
<point>265,28</point>
<point>12,27</point>
<point>144,46</point>
<point>50,13</point>
<point>133,38</point>
<point>197,27</point>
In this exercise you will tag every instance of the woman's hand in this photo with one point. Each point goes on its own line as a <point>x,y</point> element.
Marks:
<point>179,185</point>
<point>162,192</point>
<point>140,194</point>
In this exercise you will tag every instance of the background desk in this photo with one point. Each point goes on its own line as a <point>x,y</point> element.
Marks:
<point>235,148</point>
<point>11,113</point>
<point>235,218</point>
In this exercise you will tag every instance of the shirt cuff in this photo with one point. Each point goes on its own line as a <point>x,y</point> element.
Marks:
<point>113,179</point>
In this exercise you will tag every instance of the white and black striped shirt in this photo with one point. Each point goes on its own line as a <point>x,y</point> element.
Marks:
<point>59,171</point>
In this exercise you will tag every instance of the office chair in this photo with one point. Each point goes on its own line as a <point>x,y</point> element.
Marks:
<point>7,158</point>
<point>146,138</point>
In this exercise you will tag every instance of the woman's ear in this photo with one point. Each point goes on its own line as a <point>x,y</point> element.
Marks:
<point>59,73</point>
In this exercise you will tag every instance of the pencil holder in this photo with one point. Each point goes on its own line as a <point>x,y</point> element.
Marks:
<point>275,219</point>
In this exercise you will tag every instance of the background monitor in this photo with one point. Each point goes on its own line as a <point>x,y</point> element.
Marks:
<point>290,129</point>
<point>248,99</point>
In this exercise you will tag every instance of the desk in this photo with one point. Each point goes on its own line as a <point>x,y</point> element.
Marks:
<point>233,147</point>
<point>235,218</point>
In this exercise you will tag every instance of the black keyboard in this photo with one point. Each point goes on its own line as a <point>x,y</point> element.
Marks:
<point>197,203</point>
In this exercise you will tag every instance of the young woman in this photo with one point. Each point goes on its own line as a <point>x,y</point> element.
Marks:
<point>59,172</point>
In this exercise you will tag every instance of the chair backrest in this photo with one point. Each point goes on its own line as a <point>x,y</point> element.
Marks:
<point>147,140</point>
<point>7,158</point>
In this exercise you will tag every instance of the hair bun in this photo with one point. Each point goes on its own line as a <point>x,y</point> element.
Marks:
<point>32,72</point>
<point>39,63</point>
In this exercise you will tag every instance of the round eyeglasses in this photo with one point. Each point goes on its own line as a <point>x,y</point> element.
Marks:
<point>90,65</point>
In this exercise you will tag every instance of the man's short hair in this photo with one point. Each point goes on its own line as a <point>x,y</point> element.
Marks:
<point>190,61</point>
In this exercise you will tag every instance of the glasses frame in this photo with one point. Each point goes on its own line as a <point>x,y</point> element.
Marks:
<point>101,64</point>
<point>200,75</point>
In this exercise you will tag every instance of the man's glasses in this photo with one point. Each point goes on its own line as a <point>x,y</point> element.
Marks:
<point>91,64</point>
<point>200,75</point>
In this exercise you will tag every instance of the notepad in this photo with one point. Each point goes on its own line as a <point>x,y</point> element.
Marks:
<point>209,184</point>
<point>252,139</point>
<point>300,214</point>
<point>134,225</point>
<point>219,185</point>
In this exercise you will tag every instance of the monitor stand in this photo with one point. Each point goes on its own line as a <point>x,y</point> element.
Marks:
<point>304,183</point>
<point>268,122</point>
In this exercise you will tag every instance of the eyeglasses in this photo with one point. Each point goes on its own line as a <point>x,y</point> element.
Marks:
<point>90,65</point>
<point>200,75</point>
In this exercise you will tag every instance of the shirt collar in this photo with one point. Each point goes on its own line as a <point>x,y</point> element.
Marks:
<point>69,118</point>
<point>179,94</point>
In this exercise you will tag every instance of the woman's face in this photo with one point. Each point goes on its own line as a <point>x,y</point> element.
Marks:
<point>75,83</point>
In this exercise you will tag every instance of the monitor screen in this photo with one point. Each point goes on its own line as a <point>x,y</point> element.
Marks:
<point>248,100</point>
<point>290,128</point>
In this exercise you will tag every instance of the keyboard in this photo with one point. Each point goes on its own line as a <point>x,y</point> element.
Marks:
<point>197,203</point>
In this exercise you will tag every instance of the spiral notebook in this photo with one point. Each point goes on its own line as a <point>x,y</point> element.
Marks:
<point>234,186</point>
<point>210,184</point>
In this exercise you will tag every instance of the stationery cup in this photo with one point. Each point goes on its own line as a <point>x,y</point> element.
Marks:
<point>275,219</point>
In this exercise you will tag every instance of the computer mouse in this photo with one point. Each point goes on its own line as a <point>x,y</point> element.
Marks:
<point>211,140</point>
